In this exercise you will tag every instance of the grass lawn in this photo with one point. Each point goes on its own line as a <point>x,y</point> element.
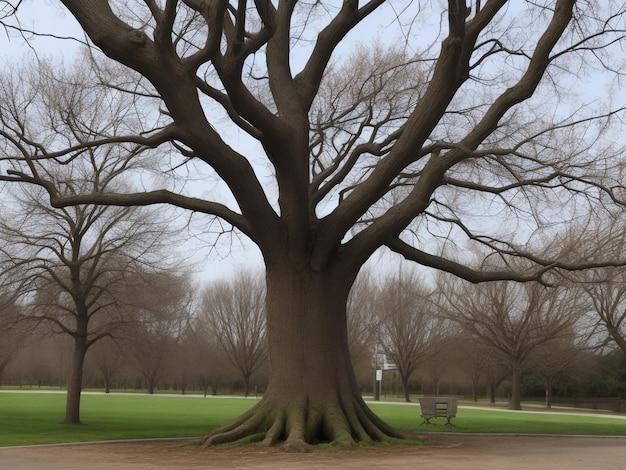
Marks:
<point>34,418</point>
<point>473,420</point>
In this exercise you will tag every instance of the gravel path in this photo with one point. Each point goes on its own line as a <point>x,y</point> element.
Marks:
<point>448,451</point>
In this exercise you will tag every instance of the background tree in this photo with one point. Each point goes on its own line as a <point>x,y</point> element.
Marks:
<point>12,333</point>
<point>514,320</point>
<point>606,294</point>
<point>440,363</point>
<point>471,356</point>
<point>184,367</point>
<point>75,261</point>
<point>210,359</point>
<point>234,313</point>
<point>407,327</point>
<point>71,263</point>
<point>363,323</point>
<point>415,148</point>
<point>556,358</point>
<point>107,360</point>
<point>161,312</point>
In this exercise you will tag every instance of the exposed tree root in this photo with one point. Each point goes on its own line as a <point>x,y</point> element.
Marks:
<point>299,424</point>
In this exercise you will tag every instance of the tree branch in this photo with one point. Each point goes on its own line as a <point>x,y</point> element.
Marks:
<point>460,270</point>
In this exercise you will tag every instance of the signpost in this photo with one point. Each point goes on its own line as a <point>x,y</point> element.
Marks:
<point>380,366</point>
<point>378,384</point>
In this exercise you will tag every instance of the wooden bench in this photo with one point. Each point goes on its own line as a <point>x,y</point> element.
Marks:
<point>438,407</point>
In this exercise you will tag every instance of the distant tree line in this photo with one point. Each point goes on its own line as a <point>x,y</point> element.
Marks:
<point>500,340</point>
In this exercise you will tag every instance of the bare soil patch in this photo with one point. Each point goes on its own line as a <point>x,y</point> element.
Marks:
<point>447,451</point>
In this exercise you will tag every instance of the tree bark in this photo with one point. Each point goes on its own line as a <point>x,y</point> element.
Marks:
<point>246,385</point>
<point>3,365</point>
<point>492,393</point>
<point>548,392</point>
<point>312,396</point>
<point>75,384</point>
<point>475,383</point>
<point>516,388</point>
<point>405,387</point>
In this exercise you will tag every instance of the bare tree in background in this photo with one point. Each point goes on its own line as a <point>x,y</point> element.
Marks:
<point>71,264</point>
<point>210,359</point>
<point>606,294</point>
<point>514,320</point>
<point>75,264</point>
<point>556,358</point>
<point>107,360</point>
<point>440,355</point>
<point>363,320</point>
<point>408,328</point>
<point>161,310</point>
<point>471,358</point>
<point>498,371</point>
<point>234,313</point>
<point>12,332</point>
<point>467,131</point>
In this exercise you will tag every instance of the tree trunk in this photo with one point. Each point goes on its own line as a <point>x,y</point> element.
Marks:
<point>75,384</point>
<point>3,365</point>
<point>516,389</point>
<point>475,382</point>
<point>548,392</point>
<point>492,392</point>
<point>436,383</point>
<point>404,378</point>
<point>312,396</point>
<point>246,385</point>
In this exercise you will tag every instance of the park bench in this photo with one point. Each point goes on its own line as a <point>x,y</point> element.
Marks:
<point>438,407</point>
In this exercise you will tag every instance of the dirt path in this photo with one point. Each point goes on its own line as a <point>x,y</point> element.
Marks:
<point>446,452</point>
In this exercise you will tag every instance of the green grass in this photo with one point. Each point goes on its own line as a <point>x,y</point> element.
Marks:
<point>470,420</point>
<point>35,418</point>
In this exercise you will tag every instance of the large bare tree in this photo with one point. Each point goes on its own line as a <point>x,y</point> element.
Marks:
<point>473,120</point>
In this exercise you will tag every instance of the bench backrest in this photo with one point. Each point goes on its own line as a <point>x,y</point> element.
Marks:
<point>452,406</point>
<point>428,407</point>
